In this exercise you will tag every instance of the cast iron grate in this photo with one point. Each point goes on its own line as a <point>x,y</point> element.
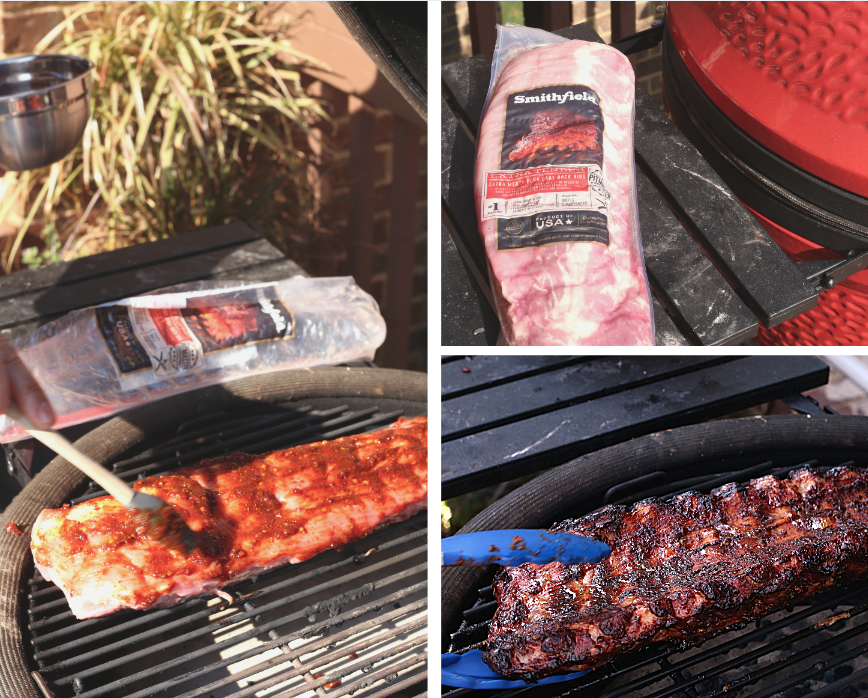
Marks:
<point>348,622</point>
<point>817,649</point>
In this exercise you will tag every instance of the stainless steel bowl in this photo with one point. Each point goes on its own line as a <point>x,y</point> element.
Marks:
<point>44,109</point>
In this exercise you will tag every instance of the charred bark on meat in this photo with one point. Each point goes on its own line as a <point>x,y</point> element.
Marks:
<point>681,571</point>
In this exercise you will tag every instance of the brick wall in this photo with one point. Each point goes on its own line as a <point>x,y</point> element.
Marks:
<point>330,256</point>
<point>456,36</point>
<point>23,24</point>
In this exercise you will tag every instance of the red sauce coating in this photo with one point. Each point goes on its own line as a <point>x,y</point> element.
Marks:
<point>13,530</point>
<point>248,511</point>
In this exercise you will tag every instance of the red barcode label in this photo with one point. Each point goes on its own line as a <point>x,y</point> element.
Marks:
<point>512,185</point>
<point>511,193</point>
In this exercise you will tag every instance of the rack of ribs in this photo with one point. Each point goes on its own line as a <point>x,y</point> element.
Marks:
<point>251,514</point>
<point>682,571</point>
<point>559,129</point>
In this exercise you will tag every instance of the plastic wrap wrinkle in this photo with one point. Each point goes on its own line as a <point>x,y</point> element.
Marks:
<point>592,289</point>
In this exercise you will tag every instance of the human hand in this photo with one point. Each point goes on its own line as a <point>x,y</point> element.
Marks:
<point>18,385</point>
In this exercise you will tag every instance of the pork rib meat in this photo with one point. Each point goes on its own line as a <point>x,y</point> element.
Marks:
<point>567,293</point>
<point>251,514</point>
<point>556,129</point>
<point>682,571</point>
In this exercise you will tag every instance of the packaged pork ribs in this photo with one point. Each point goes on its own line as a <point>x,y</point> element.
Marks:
<point>98,361</point>
<point>555,188</point>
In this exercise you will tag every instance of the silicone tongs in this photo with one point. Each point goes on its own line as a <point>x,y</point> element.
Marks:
<point>509,548</point>
<point>516,546</point>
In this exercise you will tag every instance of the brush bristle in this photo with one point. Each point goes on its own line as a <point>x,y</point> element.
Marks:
<point>165,525</point>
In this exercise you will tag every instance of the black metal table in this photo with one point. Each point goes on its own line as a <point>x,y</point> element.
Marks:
<point>507,416</point>
<point>29,299</point>
<point>715,274</point>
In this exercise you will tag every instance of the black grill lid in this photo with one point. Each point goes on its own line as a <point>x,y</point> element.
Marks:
<point>395,36</point>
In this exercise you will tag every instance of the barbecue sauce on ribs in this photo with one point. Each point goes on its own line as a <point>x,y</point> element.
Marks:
<point>681,570</point>
<point>251,513</point>
<point>558,129</point>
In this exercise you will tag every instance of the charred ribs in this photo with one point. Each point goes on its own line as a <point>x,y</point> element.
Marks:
<point>558,129</point>
<point>681,570</point>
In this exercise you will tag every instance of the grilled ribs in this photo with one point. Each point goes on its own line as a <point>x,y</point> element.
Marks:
<point>251,514</point>
<point>681,570</point>
<point>559,129</point>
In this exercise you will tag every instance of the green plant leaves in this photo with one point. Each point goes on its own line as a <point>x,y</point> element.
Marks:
<point>193,116</point>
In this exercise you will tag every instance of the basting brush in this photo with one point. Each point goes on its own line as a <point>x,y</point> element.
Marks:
<point>163,522</point>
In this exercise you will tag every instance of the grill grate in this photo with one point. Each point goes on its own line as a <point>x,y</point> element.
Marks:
<point>816,650</point>
<point>353,621</point>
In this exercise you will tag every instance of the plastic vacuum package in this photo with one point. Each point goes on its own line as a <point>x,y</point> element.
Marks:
<point>101,360</point>
<point>555,188</point>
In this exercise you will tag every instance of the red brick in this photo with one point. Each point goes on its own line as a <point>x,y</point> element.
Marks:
<point>338,208</point>
<point>16,7</point>
<point>419,313</point>
<point>338,101</point>
<point>380,265</point>
<point>651,66</point>
<point>340,138</point>
<point>381,230</point>
<point>21,33</point>
<point>417,361</point>
<point>339,173</point>
<point>378,291</point>
<point>419,339</point>
<point>420,255</point>
<point>647,9</point>
<point>420,284</point>
<point>653,84</point>
<point>381,170</point>
<point>381,198</point>
<point>384,128</point>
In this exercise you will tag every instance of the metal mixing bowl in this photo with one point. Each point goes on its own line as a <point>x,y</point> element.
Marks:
<point>44,108</point>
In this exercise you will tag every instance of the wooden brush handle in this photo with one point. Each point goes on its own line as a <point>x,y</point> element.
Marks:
<point>58,443</point>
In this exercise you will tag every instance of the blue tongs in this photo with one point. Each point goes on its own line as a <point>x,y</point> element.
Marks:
<point>509,548</point>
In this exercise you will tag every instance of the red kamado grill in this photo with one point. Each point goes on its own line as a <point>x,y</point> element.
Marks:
<point>818,648</point>
<point>345,622</point>
<point>775,96</point>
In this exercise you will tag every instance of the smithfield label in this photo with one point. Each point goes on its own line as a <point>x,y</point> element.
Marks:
<point>151,343</point>
<point>550,185</point>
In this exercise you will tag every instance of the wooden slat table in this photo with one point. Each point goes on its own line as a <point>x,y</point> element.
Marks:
<point>507,416</point>
<point>29,299</point>
<point>714,272</point>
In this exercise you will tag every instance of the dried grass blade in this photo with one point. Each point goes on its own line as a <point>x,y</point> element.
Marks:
<point>22,231</point>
